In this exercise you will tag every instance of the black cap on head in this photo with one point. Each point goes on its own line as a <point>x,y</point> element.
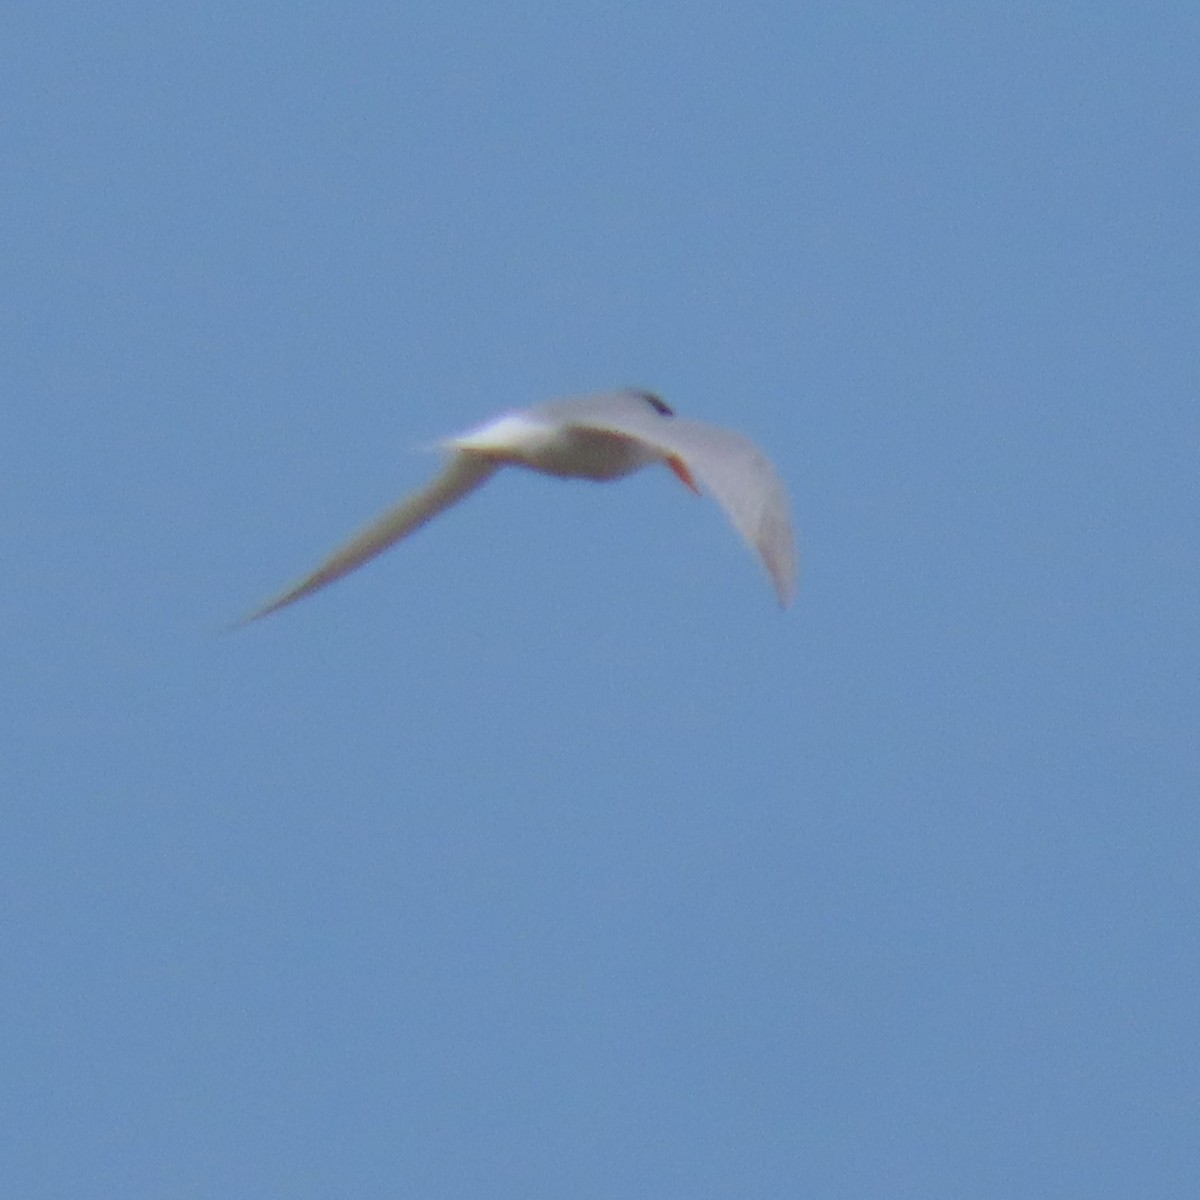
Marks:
<point>655,401</point>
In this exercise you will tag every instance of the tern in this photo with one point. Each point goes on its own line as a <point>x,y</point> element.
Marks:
<point>600,437</point>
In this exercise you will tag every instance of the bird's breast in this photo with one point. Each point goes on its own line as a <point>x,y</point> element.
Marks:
<point>587,454</point>
<point>572,452</point>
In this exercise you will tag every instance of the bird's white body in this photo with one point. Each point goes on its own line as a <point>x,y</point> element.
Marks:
<point>598,437</point>
<point>554,448</point>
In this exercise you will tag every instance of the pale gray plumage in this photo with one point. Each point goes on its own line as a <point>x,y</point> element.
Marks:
<point>592,437</point>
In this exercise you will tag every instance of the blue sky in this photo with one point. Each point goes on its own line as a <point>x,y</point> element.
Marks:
<point>545,856</point>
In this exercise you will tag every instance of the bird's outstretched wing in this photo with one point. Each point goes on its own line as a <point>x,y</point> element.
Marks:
<point>739,475</point>
<point>463,474</point>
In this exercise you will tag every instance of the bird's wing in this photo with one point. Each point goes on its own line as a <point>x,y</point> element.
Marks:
<point>463,473</point>
<point>739,475</point>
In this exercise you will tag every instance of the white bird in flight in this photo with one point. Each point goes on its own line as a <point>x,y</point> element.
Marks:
<point>600,437</point>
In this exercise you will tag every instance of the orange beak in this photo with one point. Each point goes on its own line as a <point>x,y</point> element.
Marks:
<point>682,473</point>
